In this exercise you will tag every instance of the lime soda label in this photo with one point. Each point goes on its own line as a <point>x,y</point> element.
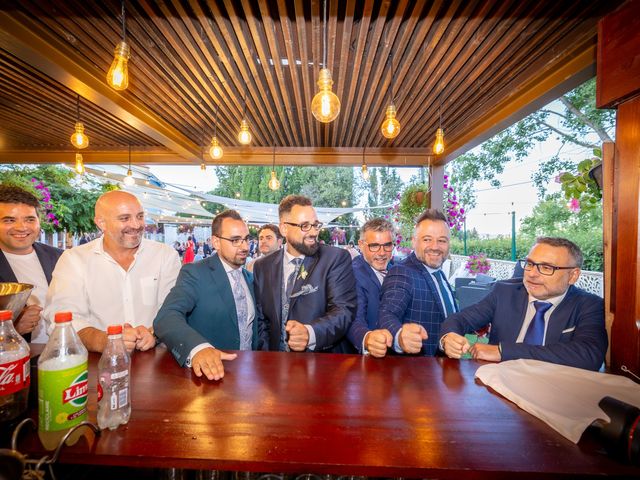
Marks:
<point>62,397</point>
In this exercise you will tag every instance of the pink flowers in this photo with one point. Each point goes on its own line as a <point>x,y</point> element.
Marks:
<point>452,209</point>
<point>478,263</point>
<point>574,205</point>
<point>45,197</point>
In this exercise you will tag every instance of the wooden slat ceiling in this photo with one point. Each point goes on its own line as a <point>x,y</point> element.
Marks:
<point>484,64</point>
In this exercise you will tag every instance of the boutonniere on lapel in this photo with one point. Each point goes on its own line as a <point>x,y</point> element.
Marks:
<point>303,273</point>
<point>304,290</point>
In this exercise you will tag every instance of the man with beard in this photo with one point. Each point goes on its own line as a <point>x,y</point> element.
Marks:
<point>305,292</point>
<point>541,316</point>
<point>212,304</point>
<point>370,268</point>
<point>416,296</point>
<point>120,277</point>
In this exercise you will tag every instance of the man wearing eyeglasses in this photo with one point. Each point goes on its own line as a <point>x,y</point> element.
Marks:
<point>376,247</point>
<point>542,316</point>
<point>211,308</point>
<point>416,296</point>
<point>306,296</point>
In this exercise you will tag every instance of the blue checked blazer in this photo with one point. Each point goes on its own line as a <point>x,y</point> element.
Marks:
<point>410,295</point>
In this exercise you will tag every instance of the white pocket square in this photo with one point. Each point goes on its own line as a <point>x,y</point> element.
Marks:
<point>305,290</point>
<point>569,329</point>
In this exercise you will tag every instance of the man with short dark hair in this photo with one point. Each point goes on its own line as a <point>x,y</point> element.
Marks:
<point>416,296</point>
<point>305,292</point>
<point>541,316</point>
<point>23,259</point>
<point>269,241</point>
<point>212,304</point>
<point>376,244</point>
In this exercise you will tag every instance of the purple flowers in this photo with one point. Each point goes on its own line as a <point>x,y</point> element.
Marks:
<point>45,197</point>
<point>574,205</point>
<point>452,209</point>
<point>478,263</point>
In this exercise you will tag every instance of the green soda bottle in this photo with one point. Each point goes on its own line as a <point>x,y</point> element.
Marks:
<point>62,383</point>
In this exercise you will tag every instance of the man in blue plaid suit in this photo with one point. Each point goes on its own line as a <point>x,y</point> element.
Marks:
<point>416,296</point>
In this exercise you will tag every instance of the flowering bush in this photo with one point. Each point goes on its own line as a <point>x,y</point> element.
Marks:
<point>478,264</point>
<point>45,196</point>
<point>452,209</point>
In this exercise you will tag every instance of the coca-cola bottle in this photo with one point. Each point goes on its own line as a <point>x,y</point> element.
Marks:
<point>14,373</point>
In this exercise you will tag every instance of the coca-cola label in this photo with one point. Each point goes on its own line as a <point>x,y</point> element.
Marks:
<point>14,376</point>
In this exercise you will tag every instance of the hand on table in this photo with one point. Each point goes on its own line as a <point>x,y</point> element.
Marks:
<point>411,337</point>
<point>298,335</point>
<point>490,353</point>
<point>208,362</point>
<point>455,345</point>
<point>28,319</point>
<point>376,342</point>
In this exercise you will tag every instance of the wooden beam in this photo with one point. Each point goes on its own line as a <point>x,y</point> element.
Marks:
<point>54,58</point>
<point>300,156</point>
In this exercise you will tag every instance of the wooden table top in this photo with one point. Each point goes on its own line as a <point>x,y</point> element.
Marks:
<point>330,414</point>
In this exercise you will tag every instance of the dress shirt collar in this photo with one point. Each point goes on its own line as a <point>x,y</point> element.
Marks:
<point>555,301</point>
<point>288,257</point>
<point>227,268</point>
<point>98,246</point>
<point>432,270</point>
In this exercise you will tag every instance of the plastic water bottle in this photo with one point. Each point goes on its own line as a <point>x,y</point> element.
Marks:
<point>114,405</point>
<point>62,383</point>
<point>15,368</point>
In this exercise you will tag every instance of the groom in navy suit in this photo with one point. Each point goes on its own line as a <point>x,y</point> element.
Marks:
<point>305,292</point>
<point>416,296</point>
<point>376,247</point>
<point>542,316</point>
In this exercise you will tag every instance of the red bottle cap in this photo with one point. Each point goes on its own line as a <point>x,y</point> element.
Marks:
<point>5,315</point>
<point>114,329</point>
<point>62,317</point>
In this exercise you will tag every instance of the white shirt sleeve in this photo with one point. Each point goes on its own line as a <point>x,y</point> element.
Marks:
<point>195,350</point>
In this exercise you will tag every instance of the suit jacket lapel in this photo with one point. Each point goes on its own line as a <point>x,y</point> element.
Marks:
<point>371,275</point>
<point>221,279</point>
<point>6,274</point>
<point>430,282</point>
<point>45,261</point>
<point>309,264</point>
<point>558,318</point>
<point>274,277</point>
<point>520,305</point>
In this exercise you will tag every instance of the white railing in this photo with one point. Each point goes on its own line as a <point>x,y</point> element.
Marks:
<point>592,282</point>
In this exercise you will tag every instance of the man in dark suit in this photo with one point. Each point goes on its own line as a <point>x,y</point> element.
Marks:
<point>212,305</point>
<point>542,316</point>
<point>24,260</point>
<point>305,292</point>
<point>376,245</point>
<point>416,296</point>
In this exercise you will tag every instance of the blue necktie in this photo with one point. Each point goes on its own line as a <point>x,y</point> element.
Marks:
<point>444,293</point>
<point>287,290</point>
<point>535,332</point>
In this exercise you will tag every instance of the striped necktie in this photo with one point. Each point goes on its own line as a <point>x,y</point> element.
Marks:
<point>449,308</point>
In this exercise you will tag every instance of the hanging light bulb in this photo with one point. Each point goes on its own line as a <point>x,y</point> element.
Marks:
<point>390,128</point>
<point>365,170</point>
<point>79,164</point>
<point>438,145</point>
<point>78,138</point>
<point>325,105</point>
<point>129,181</point>
<point>274,183</point>
<point>215,150</point>
<point>244,135</point>
<point>203,167</point>
<point>118,74</point>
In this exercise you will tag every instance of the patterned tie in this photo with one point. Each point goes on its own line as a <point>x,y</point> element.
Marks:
<point>240,297</point>
<point>535,332</point>
<point>449,308</point>
<point>287,290</point>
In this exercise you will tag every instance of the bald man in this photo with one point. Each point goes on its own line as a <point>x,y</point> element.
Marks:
<point>119,278</point>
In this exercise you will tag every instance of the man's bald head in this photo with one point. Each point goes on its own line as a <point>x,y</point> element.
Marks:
<point>120,216</point>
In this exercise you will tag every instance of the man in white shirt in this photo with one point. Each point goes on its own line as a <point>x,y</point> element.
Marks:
<point>212,306</point>
<point>119,278</point>
<point>24,260</point>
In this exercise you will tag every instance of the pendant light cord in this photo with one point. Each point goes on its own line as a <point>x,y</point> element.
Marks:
<point>78,108</point>
<point>129,157</point>
<point>215,126</point>
<point>324,39</point>
<point>124,28</point>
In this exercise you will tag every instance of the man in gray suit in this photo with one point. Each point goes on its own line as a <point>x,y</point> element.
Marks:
<point>212,304</point>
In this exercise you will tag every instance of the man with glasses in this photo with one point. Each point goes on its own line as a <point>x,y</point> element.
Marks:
<point>305,292</point>
<point>416,296</point>
<point>542,316</point>
<point>376,247</point>
<point>212,305</point>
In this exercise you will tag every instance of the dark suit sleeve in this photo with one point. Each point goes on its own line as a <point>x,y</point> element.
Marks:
<point>397,291</point>
<point>341,303</point>
<point>472,318</point>
<point>585,349</point>
<point>359,327</point>
<point>170,324</point>
<point>258,284</point>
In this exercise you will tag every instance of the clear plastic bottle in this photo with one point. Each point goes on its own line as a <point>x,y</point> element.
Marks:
<point>62,383</point>
<point>114,405</point>
<point>15,369</point>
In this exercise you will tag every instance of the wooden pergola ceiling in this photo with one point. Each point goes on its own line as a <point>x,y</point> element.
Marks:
<point>486,64</point>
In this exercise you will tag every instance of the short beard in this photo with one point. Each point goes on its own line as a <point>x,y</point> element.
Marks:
<point>303,248</point>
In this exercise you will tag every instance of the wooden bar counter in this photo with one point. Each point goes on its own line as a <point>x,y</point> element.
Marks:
<point>330,414</point>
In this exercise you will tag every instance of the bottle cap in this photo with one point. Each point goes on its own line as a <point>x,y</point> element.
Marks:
<point>114,329</point>
<point>5,315</point>
<point>62,317</point>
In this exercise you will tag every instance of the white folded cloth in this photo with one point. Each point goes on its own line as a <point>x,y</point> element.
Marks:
<point>565,398</point>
